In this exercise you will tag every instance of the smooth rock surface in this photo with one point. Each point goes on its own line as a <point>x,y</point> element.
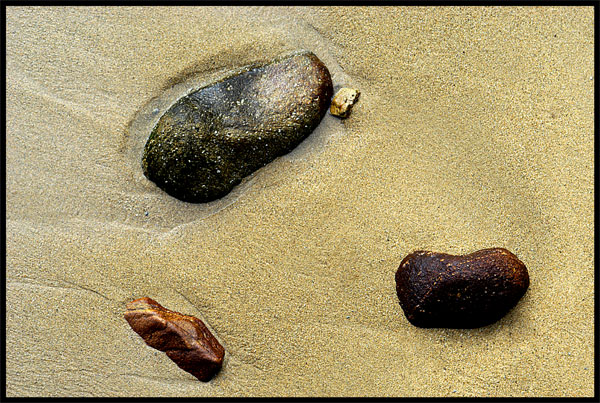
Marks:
<point>212,138</point>
<point>185,339</point>
<point>441,290</point>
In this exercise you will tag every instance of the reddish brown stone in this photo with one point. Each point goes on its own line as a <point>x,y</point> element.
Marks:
<point>440,290</point>
<point>185,339</point>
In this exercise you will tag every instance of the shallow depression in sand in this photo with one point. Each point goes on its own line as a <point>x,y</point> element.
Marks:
<point>170,212</point>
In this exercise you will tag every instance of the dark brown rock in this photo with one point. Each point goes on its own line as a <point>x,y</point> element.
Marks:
<point>185,339</point>
<point>440,290</point>
<point>212,138</point>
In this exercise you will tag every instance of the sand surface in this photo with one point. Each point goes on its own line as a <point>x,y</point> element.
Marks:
<point>474,129</point>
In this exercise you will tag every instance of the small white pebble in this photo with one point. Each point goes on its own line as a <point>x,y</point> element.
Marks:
<point>343,101</point>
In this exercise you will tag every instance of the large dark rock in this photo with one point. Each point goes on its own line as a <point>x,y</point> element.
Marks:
<point>212,138</point>
<point>185,339</point>
<point>440,290</point>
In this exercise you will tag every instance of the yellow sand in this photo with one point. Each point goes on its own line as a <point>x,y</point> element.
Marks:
<point>474,129</point>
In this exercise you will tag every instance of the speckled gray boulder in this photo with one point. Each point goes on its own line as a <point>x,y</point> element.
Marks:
<point>212,138</point>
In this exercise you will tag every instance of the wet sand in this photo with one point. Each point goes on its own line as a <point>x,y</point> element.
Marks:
<point>474,129</point>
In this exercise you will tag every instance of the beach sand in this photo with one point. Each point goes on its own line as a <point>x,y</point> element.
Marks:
<point>474,129</point>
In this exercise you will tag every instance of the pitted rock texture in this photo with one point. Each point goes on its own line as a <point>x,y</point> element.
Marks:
<point>212,138</point>
<point>343,101</point>
<point>441,290</point>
